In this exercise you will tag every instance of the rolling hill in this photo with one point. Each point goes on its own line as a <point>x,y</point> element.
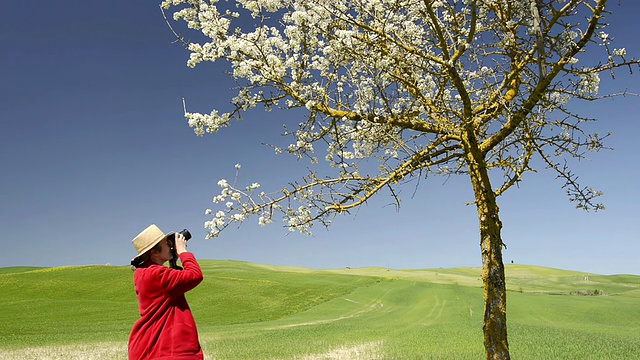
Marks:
<point>251,311</point>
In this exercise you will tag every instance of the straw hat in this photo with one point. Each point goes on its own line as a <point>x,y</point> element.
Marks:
<point>147,239</point>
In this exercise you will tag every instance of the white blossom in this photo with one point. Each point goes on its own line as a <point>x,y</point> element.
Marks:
<point>375,80</point>
<point>620,52</point>
<point>589,82</point>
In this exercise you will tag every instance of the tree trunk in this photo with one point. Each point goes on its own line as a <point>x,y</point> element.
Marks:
<point>493,277</point>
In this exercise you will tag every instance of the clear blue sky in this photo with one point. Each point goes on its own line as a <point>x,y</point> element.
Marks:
<point>94,148</point>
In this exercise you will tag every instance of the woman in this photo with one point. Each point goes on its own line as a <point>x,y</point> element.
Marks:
<point>166,329</point>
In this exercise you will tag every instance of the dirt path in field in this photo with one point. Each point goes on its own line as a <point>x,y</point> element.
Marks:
<point>98,351</point>
<point>366,351</point>
<point>374,306</point>
<point>118,351</point>
<point>436,311</point>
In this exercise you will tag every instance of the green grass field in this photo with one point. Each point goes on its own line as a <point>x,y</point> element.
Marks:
<point>248,311</point>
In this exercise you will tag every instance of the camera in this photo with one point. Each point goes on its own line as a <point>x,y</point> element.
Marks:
<point>171,239</point>
<point>184,232</point>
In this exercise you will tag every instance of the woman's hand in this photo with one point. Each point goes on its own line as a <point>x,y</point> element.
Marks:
<point>180,243</point>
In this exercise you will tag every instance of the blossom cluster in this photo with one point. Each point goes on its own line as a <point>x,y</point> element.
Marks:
<point>383,79</point>
<point>241,204</point>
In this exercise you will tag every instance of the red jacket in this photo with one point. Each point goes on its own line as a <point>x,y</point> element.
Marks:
<point>166,329</point>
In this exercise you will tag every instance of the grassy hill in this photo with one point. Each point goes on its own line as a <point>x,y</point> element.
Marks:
<point>249,311</point>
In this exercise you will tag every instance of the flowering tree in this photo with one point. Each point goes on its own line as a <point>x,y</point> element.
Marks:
<point>473,88</point>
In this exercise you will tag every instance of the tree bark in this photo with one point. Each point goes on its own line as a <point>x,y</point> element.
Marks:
<point>493,277</point>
